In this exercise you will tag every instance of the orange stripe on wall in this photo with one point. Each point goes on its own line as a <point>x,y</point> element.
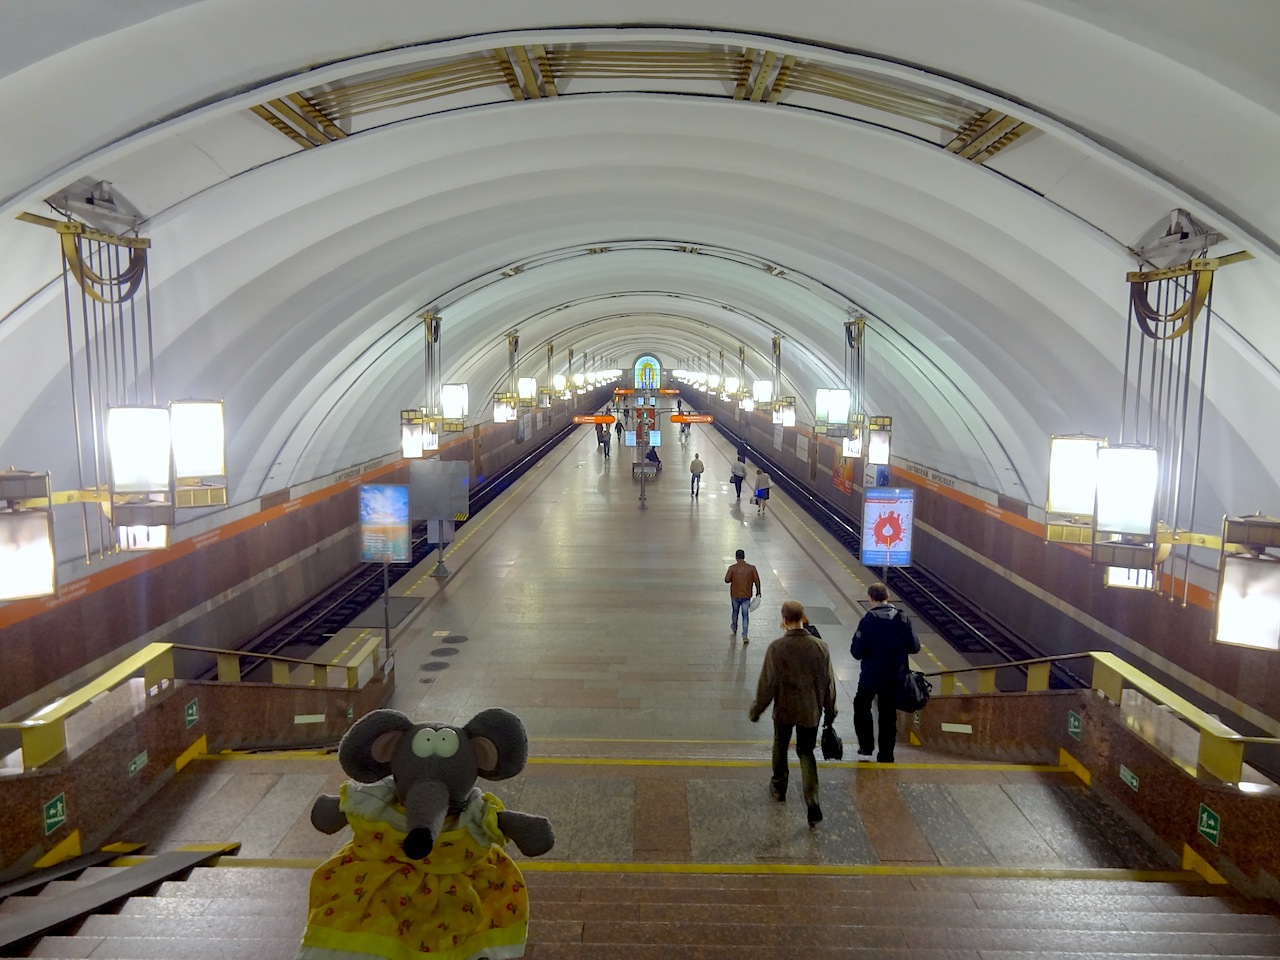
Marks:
<point>20,610</point>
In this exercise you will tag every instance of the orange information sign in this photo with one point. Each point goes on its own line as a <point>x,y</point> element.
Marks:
<point>668,391</point>
<point>592,418</point>
<point>622,391</point>
<point>692,418</point>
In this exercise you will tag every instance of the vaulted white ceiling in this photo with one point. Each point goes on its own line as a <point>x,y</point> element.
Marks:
<point>611,194</point>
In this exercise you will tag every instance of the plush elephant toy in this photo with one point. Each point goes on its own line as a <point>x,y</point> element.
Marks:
<point>434,767</point>
<point>424,872</point>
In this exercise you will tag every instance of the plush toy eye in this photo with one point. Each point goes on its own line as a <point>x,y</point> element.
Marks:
<point>446,743</point>
<point>435,743</point>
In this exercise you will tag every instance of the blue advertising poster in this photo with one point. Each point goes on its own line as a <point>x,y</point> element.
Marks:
<point>384,523</point>
<point>887,516</point>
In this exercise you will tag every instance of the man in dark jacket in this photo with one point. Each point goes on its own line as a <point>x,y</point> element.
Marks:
<point>798,680</point>
<point>883,641</point>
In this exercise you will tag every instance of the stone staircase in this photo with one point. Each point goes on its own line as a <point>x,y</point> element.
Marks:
<point>258,912</point>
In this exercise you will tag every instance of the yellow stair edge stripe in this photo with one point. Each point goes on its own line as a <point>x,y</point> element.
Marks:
<point>778,869</point>
<point>682,762</point>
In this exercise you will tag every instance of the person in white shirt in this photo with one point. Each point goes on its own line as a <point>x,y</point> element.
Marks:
<point>695,475</point>
<point>738,474</point>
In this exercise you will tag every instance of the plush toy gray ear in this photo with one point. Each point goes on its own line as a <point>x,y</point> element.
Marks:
<point>367,748</point>
<point>504,732</point>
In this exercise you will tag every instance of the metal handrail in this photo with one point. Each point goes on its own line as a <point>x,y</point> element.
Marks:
<point>44,734</point>
<point>1221,749</point>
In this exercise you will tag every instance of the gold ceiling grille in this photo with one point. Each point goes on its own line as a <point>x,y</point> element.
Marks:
<point>440,80</point>
<point>314,117</point>
<point>878,95</point>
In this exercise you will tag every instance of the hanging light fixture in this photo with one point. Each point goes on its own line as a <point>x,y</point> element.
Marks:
<point>198,433</point>
<point>454,406</point>
<point>1248,610</point>
<point>27,567</point>
<point>879,432</point>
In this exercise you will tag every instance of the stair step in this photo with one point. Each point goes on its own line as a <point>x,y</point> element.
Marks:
<point>204,927</point>
<point>911,913</point>
<point>591,951</point>
<point>166,948</point>
<point>287,904</point>
<point>932,937</point>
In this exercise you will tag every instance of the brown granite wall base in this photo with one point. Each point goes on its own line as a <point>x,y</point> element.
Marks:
<point>100,791</point>
<point>264,716</point>
<point>1166,803</point>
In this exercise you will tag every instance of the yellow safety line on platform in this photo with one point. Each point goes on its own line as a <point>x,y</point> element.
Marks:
<point>764,762</point>
<point>688,762</point>
<point>773,869</point>
<point>868,869</point>
<point>655,740</point>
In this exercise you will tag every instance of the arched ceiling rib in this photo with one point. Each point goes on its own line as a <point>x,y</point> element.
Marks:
<point>287,278</point>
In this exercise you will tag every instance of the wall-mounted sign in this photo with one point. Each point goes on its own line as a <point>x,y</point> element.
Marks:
<point>887,518</point>
<point>1129,777</point>
<point>55,813</point>
<point>1209,824</point>
<point>384,523</point>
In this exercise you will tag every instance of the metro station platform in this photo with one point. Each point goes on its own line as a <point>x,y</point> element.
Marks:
<point>603,622</point>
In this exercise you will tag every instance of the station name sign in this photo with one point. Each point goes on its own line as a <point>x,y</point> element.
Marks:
<point>692,418</point>
<point>592,418</point>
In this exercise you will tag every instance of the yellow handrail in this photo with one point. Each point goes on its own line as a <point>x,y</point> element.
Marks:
<point>1221,749</point>
<point>44,733</point>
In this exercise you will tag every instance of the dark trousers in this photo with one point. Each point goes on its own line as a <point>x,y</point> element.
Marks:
<point>885,698</point>
<point>737,485</point>
<point>806,738</point>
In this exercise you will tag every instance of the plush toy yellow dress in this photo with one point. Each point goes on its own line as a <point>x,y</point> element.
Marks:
<point>466,899</point>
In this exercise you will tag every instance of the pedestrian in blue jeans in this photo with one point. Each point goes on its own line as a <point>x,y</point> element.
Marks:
<point>742,578</point>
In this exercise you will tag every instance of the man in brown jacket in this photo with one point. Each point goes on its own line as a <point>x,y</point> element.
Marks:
<point>741,577</point>
<point>797,678</point>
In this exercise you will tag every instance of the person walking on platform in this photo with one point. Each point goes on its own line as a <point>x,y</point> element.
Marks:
<point>617,428</point>
<point>763,484</point>
<point>737,475</point>
<point>884,639</point>
<point>695,475</point>
<point>797,678</point>
<point>742,577</point>
<point>607,439</point>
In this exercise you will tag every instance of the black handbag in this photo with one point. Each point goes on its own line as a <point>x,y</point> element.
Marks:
<point>832,745</point>
<point>914,692</point>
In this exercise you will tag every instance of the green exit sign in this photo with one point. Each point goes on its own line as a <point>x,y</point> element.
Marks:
<point>1074,724</point>
<point>55,813</point>
<point>193,713</point>
<point>1209,824</point>
<point>137,763</point>
<point>1129,777</point>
